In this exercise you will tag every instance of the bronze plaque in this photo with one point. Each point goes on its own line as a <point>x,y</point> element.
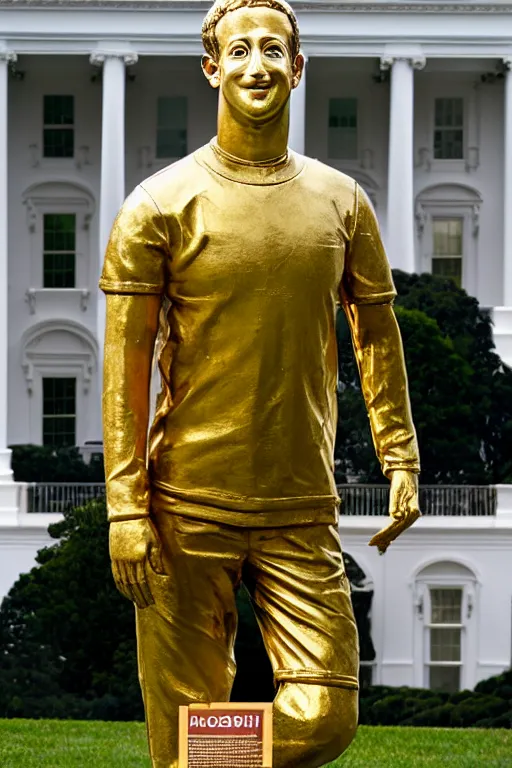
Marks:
<point>225,735</point>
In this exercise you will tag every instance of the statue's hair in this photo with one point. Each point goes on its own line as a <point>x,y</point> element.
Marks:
<point>221,7</point>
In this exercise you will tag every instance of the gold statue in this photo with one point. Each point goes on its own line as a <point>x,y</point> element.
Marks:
<point>233,261</point>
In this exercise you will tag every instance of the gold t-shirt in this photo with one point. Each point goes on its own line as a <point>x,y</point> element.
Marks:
<point>253,260</point>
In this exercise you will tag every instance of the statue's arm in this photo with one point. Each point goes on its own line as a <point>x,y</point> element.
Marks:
<point>131,327</point>
<point>134,279</point>
<point>367,296</point>
<point>379,353</point>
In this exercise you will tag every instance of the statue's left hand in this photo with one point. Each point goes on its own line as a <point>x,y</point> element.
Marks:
<point>403,508</point>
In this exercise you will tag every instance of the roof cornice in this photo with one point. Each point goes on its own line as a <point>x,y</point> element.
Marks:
<point>304,6</point>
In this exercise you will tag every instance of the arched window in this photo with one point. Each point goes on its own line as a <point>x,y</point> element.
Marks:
<point>447,219</point>
<point>445,601</point>
<point>59,359</point>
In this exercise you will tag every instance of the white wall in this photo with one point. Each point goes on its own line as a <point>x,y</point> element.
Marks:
<point>397,626</point>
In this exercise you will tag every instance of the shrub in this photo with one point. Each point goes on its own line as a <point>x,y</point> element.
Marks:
<point>46,464</point>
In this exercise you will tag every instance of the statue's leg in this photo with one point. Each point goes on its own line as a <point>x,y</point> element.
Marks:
<point>185,640</point>
<point>302,601</point>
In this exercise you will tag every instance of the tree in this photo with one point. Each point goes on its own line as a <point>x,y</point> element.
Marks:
<point>67,638</point>
<point>461,393</point>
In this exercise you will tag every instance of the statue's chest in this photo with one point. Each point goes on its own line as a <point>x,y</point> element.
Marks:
<point>257,238</point>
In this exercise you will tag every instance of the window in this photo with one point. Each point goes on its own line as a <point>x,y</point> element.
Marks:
<point>58,131</point>
<point>447,248</point>
<point>59,411</point>
<point>171,130</point>
<point>449,129</point>
<point>59,250</point>
<point>343,128</point>
<point>445,629</point>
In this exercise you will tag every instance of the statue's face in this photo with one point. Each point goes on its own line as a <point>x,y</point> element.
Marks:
<point>255,68</point>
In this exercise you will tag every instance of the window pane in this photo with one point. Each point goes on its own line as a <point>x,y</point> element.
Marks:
<point>444,679</point>
<point>59,411</point>
<point>59,231</point>
<point>172,125</point>
<point>59,110</point>
<point>446,606</point>
<point>445,644</point>
<point>58,142</point>
<point>59,241</point>
<point>449,129</point>
<point>449,268</point>
<point>447,237</point>
<point>343,128</point>
<point>448,144</point>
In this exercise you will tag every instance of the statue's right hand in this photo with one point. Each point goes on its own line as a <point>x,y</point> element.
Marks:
<point>132,544</point>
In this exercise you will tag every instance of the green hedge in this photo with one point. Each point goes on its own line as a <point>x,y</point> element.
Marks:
<point>46,464</point>
<point>488,706</point>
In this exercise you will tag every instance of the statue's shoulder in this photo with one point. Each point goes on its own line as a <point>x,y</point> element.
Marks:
<point>178,178</point>
<point>329,175</point>
<point>330,178</point>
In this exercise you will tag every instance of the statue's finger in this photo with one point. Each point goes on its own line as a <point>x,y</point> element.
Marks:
<point>128,582</point>
<point>133,571</point>
<point>119,579</point>
<point>138,596</point>
<point>143,584</point>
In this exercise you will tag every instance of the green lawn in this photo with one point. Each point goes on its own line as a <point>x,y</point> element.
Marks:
<point>68,744</point>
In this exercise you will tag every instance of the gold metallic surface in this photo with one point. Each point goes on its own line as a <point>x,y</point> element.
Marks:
<point>234,261</point>
<point>302,602</point>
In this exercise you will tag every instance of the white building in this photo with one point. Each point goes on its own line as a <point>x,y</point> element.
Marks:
<point>412,99</point>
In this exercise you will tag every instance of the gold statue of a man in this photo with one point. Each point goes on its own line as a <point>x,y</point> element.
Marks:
<point>236,258</point>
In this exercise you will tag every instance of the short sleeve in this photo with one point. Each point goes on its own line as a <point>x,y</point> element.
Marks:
<point>137,251</point>
<point>367,277</point>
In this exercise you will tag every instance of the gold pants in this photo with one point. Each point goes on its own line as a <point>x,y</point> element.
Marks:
<point>302,602</point>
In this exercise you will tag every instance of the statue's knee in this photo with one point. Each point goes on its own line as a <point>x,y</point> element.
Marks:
<point>337,724</point>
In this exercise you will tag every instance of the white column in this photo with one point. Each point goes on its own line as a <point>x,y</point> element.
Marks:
<point>297,134</point>
<point>507,191</point>
<point>400,215</point>
<point>5,454</point>
<point>112,188</point>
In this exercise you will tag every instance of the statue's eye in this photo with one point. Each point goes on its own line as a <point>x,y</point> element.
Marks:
<point>274,52</point>
<point>239,52</point>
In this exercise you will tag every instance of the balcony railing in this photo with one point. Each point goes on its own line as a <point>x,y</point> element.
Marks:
<point>435,500</point>
<point>58,497</point>
<point>359,500</point>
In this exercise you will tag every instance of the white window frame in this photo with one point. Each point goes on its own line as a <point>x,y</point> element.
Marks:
<point>464,127</point>
<point>441,257</point>
<point>450,201</point>
<point>166,160</point>
<point>346,160</point>
<point>50,360</point>
<point>59,126</point>
<point>68,198</point>
<point>424,155</point>
<point>435,575</point>
<point>427,661</point>
<point>68,415</point>
<point>74,252</point>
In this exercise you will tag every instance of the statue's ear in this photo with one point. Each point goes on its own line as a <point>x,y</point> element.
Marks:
<point>297,69</point>
<point>211,70</point>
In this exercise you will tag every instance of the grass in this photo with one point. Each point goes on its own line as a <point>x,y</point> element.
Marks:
<point>70,744</point>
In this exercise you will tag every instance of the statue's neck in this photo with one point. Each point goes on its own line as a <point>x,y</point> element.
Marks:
<point>249,141</point>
